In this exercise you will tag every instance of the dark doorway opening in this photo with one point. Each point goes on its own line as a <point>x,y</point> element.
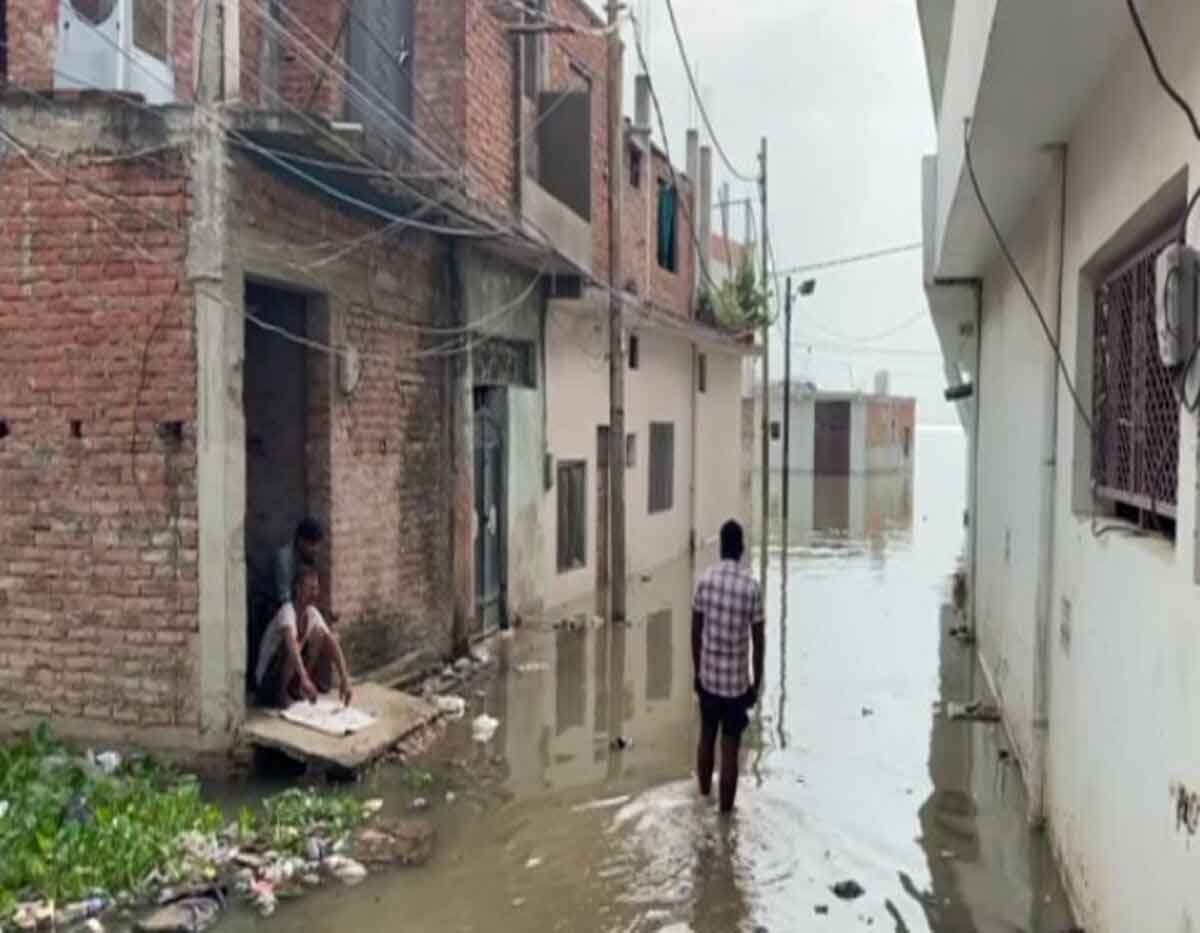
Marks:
<point>279,398</point>
<point>831,443</point>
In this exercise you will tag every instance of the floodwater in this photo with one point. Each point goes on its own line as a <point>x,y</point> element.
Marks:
<point>849,772</point>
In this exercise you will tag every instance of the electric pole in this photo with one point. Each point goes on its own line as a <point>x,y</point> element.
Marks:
<point>616,329</point>
<point>787,413</point>
<point>766,372</point>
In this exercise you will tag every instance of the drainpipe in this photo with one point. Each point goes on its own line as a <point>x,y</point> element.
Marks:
<point>1049,503</point>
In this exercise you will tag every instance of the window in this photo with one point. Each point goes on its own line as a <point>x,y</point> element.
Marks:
<point>662,467</point>
<point>635,166</point>
<point>572,515</point>
<point>702,373</point>
<point>152,27</point>
<point>3,42</point>
<point>630,451</point>
<point>666,226</point>
<point>93,11</point>
<point>1135,415</point>
<point>634,351</point>
<point>776,431</point>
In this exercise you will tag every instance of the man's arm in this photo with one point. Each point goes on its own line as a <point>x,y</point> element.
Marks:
<point>759,637</point>
<point>697,644</point>
<point>343,669</point>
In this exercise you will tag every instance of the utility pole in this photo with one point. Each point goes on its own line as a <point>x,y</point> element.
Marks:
<point>616,328</point>
<point>787,414</point>
<point>766,374</point>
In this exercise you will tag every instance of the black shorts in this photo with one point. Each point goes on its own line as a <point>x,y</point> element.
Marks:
<point>729,714</point>
<point>269,688</point>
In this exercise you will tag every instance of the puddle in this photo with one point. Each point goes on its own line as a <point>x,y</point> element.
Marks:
<point>566,833</point>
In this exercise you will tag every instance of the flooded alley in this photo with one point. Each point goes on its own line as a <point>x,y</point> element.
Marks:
<point>850,773</point>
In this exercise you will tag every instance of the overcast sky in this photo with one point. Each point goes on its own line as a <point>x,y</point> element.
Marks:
<point>838,87</point>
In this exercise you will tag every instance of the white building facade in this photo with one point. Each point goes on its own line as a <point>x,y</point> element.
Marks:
<point>1083,526</point>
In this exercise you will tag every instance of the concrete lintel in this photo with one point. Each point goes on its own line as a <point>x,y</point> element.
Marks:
<point>95,122</point>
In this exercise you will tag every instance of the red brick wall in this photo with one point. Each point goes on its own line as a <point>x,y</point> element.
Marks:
<point>98,533</point>
<point>33,38</point>
<point>882,414</point>
<point>379,474</point>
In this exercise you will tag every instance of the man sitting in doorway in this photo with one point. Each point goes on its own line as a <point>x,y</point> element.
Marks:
<point>298,649</point>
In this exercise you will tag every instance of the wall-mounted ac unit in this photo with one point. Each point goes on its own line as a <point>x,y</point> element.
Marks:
<point>117,45</point>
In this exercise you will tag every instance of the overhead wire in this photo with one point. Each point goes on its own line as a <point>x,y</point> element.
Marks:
<point>1016,269</point>
<point>853,258</point>
<point>712,133</point>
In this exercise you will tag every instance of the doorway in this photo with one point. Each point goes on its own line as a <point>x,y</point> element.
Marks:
<point>831,442</point>
<point>275,400</point>
<point>491,507</point>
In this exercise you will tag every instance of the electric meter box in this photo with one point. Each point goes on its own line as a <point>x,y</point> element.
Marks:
<point>1176,273</point>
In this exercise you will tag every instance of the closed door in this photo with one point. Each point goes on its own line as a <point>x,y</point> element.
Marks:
<point>831,443</point>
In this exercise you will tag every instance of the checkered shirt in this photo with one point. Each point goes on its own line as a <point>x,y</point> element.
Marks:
<point>730,600</point>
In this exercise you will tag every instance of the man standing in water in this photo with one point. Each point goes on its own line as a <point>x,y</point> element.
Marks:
<point>727,617</point>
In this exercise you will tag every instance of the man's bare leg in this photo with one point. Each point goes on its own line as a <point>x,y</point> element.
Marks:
<point>318,661</point>
<point>729,771</point>
<point>705,758</point>
<point>287,678</point>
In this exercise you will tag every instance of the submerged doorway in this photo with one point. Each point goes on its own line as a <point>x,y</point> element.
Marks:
<point>276,399</point>
<point>491,509</point>
<point>831,442</point>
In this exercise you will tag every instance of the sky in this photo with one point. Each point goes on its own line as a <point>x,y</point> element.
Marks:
<point>840,91</point>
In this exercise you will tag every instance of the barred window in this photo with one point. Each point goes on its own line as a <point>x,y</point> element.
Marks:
<point>1135,415</point>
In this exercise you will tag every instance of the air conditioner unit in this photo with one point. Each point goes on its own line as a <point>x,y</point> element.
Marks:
<point>117,45</point>
<point>1176,274</point>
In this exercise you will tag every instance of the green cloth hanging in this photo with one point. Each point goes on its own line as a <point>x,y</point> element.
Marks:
<point>666,226</point>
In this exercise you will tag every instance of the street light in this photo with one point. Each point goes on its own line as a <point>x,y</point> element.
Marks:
<point>807,287</point>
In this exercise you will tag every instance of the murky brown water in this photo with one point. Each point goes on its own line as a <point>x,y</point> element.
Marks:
<point>850,775</point>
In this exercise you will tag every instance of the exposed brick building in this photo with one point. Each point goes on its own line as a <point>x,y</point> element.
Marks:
<point>317,282</point>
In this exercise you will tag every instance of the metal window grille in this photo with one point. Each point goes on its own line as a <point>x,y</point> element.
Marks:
<point>572,515</point>
<point>1135,415</point>
<point>662,467</point>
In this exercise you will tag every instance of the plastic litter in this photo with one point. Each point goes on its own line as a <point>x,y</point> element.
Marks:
<point>419,803</point>
<point>345,869</point>
<point>532,667</point>
<point>454,707</point>
<point>371,807</point>
<point>450,796</point>
<point>92,925</point>
<point>81,910</point>
<point>848,890</point>
<point>314,849</point>
<point>3,809</point>
<point>533,862</point>
<point>621,742</point>
<point>484,727</point>
<point>190,915</point>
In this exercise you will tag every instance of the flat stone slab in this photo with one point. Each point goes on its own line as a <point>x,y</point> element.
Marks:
<point>398,714</point>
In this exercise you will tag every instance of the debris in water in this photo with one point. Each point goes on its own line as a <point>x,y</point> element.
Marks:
<point>518,902</point>
<point>450,796</point>
<point>190,915</point>
<point>344,869</point>
<point>821,910</point>
<point>395,842</point>
<point>948,854</point>
<point>621,742</point>
<point>532,667</point>
<point>606,803</point>
<point>533,862</point>
<point>420,803</point>
<point>484,727</point>
<point>92,925</point>
<point>848,890</point>
<point>371,807</point>
<point>314,849</point>
<point>867,711</point>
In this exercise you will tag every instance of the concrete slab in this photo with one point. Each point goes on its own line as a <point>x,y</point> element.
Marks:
<point>399,714</point>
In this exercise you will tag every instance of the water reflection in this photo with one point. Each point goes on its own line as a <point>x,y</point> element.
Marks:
<point>853,777</point>
<point>864,509</point>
